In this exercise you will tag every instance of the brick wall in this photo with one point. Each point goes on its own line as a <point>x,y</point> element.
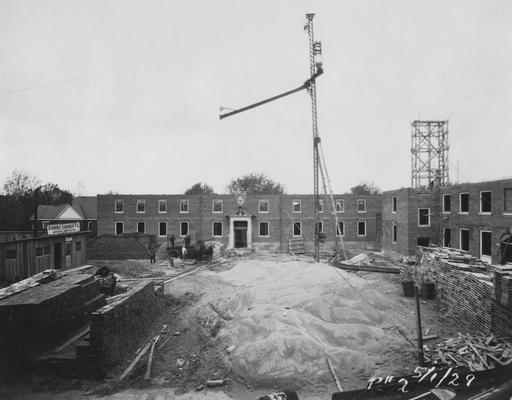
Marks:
<point>475,295</point>
<point>119,328</point>
<point>280,217</point>
<point>398,218</point>
<point>120,247</point>
<point>498,222</point>
<point>463,291</point>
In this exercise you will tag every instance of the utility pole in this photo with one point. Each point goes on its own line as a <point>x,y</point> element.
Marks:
<point>315,49</point>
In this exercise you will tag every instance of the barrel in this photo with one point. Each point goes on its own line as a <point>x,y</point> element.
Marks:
<point>427,290</point>
<point>408,287</point>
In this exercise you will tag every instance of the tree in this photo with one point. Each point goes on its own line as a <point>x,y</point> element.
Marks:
<point>200,188</point>
<point>366,188</point>
<point>53,195</point>
<point>20,184</point>
<point>255,183</point>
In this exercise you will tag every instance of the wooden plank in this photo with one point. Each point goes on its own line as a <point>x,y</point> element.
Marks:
<point>150,360</point>
<point>333,373</point>
<point>130,368</point>
<point>73,339</point>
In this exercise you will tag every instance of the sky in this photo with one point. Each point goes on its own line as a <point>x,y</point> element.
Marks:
<point>124,95</point>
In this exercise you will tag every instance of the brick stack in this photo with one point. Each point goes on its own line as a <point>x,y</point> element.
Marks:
<point>502,303</point>
<point>469,294</point>
<point>118,328</point>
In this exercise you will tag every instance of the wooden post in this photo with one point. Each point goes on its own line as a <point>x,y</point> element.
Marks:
<point>421,360</point>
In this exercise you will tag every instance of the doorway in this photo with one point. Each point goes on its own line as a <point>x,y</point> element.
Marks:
<point>240,231</point>
<point>486,246</point>
<point>506,249</point>
<point>57,256</point>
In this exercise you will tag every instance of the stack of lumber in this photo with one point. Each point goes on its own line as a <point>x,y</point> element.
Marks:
<point>455,255</point>
<point>35,280</point>
<point>478,353</point>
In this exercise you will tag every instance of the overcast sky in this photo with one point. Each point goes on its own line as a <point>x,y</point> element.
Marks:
<point>124,95</point>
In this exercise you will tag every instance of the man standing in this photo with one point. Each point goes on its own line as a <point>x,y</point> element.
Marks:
<point>172,239</point>
<point>187,240</point>
<point>152,254</point>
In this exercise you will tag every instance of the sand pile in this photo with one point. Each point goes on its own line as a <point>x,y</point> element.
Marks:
<point>287,316</point>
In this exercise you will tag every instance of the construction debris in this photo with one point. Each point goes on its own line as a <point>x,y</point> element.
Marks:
<point>478,353</point>
<point>216,382</point>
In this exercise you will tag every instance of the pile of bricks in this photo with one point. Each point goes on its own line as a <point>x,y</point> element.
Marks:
<point>119,327</point>
<point>502,304</point>
<point>467,292</point>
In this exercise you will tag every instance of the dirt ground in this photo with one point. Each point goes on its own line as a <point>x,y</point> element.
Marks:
<point>266,323</point>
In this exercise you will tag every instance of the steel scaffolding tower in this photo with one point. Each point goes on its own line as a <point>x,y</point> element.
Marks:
<point>429,154</point>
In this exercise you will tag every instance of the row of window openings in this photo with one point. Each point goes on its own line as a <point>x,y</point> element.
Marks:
<point>217,206</point>
<point>485,239</point>
<point>485,202</point>
<point>217,228</point>
<point>12,254</point>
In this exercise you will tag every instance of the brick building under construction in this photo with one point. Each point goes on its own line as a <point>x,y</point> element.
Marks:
<point>265,222</point>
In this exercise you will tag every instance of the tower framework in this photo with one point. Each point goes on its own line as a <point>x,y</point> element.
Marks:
<point>429,154</point>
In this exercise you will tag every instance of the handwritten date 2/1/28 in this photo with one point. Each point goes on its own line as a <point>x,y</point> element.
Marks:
<point>422,374</point>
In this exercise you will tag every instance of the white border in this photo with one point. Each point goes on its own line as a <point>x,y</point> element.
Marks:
<point>268,229</point>
<point>358,235</point>
<point>293,228</point>
<point>166,230</point>
<point>163,201</point>
<point>259,206</point>
<point>426,225</point>
<point>460,203</point>
<point>188,228</point>
<point>213,206</point>
<point>141,201</point>
<point>337,230</point>
<point>485,212</point>
<point>141,222</point>
<point>365,206</point>
<point>221,229</point>
<point>115,227</point>
<point>300,206</point>
<point>183,201</point>
<point>450,196</point>
<point>460,239</point>
<point>115,206</point>
<point>486,258</point>
<point>342,205</point>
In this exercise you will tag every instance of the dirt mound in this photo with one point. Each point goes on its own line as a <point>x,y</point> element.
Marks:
<point>284,318</point>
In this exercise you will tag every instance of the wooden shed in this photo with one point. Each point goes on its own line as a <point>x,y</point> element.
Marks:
<point>22,258</point>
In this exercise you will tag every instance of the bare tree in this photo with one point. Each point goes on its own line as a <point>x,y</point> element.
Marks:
<point>20,183</point>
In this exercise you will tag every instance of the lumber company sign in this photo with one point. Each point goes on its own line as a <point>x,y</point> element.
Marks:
<point>58,229</point>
